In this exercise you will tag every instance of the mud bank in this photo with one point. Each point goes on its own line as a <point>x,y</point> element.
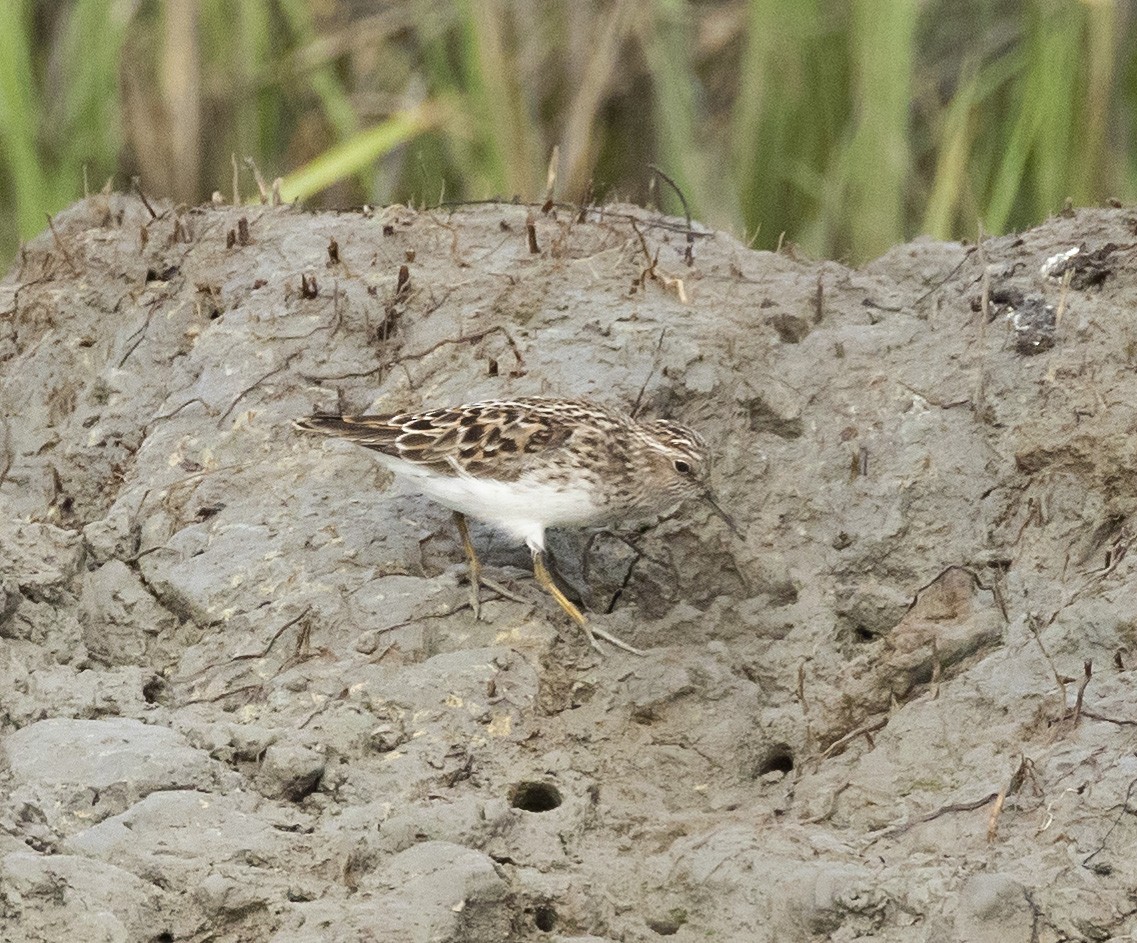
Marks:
<point>243,695</point>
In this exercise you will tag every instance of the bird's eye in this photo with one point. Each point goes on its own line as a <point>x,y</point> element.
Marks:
<point>682,467</point>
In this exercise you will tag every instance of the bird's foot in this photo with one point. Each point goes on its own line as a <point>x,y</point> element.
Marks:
<point>546,581</point>
<point>593,633</point>
<point>501,590</point>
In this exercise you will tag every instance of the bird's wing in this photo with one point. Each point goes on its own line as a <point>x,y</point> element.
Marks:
<point>499,439</point>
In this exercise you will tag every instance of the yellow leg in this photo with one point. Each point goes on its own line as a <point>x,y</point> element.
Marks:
<point>545,580</point>
<point>475,564</point>
<point>476,578</point>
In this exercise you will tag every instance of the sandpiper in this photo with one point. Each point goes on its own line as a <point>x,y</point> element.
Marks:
<point>525,465</point>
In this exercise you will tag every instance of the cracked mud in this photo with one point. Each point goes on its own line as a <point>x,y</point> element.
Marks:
<point>243,696</point>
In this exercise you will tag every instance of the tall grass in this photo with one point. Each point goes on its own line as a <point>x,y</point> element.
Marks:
<point>27,182</point>
<point>845,127</point>
<point>59,109</point>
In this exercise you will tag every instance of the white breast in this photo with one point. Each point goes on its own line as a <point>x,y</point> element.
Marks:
<point>523,512</point>
<point>520,509</point>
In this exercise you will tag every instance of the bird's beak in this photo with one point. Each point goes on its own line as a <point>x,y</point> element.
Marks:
<point>709,498</point>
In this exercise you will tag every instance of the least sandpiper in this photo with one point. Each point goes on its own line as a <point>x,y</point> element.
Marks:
<point>527,464</point>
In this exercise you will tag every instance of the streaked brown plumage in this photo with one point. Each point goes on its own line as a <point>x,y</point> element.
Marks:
<point>527,464</point>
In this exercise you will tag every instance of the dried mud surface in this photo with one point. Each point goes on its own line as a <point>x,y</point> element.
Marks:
<point>243,695</point>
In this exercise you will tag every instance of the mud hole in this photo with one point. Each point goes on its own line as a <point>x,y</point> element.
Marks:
<point>243,696</point>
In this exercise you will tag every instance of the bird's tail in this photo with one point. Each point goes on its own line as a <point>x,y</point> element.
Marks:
<point>327,424</point>
<point>373,432</point>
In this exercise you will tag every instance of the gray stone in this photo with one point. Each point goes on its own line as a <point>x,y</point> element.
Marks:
<point>290,771</point>
<point>227,898</point>
<point>10,599</point>
<point>64,897</point>
<point>823,899</point>
<point>119,615</point>
<point>435,892</point>
<point>184,837</point>
<point>82,771</point>
<point>994,908</point>
<point>68,690</point>
<point>41,559</point>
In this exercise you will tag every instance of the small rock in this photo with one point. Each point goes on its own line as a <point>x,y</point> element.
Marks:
<point>994,908</point>
<point>250,741</point>
<point>117,613</point>
<point>94,769</point>
<point>775,408</point>
<point>290,771</point>
<point>829,897</point>
<point>41,559</point>
<point>225,897</point>
<point>870,609</point>
<point>181,837</point>
<point>1035,324</point>
<point>66,897</point>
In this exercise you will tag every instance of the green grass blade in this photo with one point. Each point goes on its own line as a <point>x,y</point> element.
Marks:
<point>1033,177</point>
<point>259,111</point>
<point>508,155</point>
<point>1090,174</point>
<point>879,160</point>
<point>587,141</point>
<point>678,152</point>
<point>86,124</point>
<point>785,118</point>
<point>329,89</point>
<point>19,106</point>
<point>360,151</point>
<point>961,170</point>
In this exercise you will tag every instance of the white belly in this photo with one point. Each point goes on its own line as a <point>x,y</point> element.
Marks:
<point>521,509</point>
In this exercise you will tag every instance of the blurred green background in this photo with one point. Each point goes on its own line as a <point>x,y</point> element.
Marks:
<point>844,127</point>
